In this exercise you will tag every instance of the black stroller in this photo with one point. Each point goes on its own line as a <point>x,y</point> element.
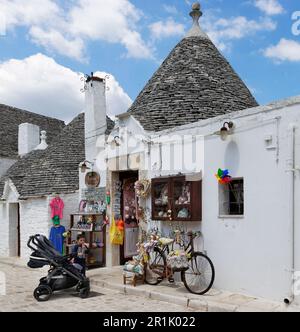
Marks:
<point>62,274</point>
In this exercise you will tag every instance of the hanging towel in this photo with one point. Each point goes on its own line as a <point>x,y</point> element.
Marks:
<point>131,241</point>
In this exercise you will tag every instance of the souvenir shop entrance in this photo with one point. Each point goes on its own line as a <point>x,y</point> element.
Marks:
<point>128,211</point>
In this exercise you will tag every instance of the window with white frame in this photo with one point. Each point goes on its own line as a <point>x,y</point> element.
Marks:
<point>231,198</point>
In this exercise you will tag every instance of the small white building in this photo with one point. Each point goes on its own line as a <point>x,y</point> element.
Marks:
<point>251,229</point>
<point>28,185</point>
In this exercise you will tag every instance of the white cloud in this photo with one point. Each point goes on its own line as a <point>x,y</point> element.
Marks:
<point>29,12</point>
<point>41,85</point>
<point>224,30</point>
<point>53,40</point>
<point>113,21</point>
<point>170,9</point>
<point>166,29</point>
<point>67,30</point>
<point>269,7</point>
<point>285,50</point>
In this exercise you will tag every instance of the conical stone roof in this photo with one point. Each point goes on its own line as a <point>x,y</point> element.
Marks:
<point>195,82</point>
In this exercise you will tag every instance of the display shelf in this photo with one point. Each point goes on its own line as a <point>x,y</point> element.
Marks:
<point>92,235</point>
<point>184,199</point>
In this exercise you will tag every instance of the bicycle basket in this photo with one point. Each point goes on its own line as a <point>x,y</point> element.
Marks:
<point>178,261</point>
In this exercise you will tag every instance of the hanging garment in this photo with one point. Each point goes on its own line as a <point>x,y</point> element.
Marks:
<point>57,238</point>
<point>131,240</point>
<point>57,206</point>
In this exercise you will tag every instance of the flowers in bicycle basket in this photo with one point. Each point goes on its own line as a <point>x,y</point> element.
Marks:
<point>178,260</point>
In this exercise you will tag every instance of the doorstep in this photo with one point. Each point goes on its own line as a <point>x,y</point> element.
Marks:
<point>214,301</point>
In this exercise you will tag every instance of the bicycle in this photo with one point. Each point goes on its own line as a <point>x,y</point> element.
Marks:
<point>198,278</point>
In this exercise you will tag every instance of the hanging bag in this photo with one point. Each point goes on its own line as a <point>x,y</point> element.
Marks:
<point>116,233</point>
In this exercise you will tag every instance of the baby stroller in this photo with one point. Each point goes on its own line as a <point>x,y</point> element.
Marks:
<point>62,274</point>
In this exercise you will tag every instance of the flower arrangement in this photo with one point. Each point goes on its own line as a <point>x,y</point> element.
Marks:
<point>142,188</point>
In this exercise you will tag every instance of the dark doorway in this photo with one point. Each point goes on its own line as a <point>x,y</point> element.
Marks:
<point>128,214</point>
<point>14,230</point>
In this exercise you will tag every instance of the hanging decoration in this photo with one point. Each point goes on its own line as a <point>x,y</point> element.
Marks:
<point>223,176</point>
<point>108,198</point>
<point>116,233</point>
<point>142,188</point>
<point>92,180</point>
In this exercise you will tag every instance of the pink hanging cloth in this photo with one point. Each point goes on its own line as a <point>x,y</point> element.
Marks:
<point>57,206</point>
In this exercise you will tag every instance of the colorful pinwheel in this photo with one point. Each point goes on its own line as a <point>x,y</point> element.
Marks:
<point>223,176</point>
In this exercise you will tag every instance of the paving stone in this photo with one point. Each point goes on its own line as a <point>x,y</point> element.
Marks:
<point>24,281</point>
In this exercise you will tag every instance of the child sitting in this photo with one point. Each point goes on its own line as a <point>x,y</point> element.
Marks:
<point>80,252</point>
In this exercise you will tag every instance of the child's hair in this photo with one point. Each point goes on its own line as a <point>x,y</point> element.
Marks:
<point>80,236</point>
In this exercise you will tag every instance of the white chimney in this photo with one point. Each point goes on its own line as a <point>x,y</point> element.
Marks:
<point>29,138</point>
<point>95,115</point>
<point>43,145</point>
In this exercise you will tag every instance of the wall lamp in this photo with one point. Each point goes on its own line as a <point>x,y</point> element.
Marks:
<point>84,166</point>
<point>117,140</point>
<point>226,130</point>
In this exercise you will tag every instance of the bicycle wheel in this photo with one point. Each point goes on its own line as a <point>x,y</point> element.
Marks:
<point>200,276</point>
<point>155,268</point>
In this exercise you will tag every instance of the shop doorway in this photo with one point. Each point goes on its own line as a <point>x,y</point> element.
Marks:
<point>128,213</point>
<point>14,230</point>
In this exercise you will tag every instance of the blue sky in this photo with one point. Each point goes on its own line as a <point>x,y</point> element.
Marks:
<point>45,44</point>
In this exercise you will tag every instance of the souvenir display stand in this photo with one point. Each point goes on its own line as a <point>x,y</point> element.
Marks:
<point>94,228</point>
<point>176,199</point>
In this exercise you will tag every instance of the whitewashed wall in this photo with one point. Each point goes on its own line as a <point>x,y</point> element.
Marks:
<point>35,217</point>
<point>33,220</point>
<point>5,164</point>
<point>252,255</point>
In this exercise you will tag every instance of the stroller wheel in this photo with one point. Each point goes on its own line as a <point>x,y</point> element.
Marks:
<point>85,292</point>
<point>42,293</point>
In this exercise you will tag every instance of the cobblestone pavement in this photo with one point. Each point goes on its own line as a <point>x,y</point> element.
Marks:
<point>20,283</point>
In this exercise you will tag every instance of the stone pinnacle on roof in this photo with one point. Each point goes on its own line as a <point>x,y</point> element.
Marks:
<point>196,30</point>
